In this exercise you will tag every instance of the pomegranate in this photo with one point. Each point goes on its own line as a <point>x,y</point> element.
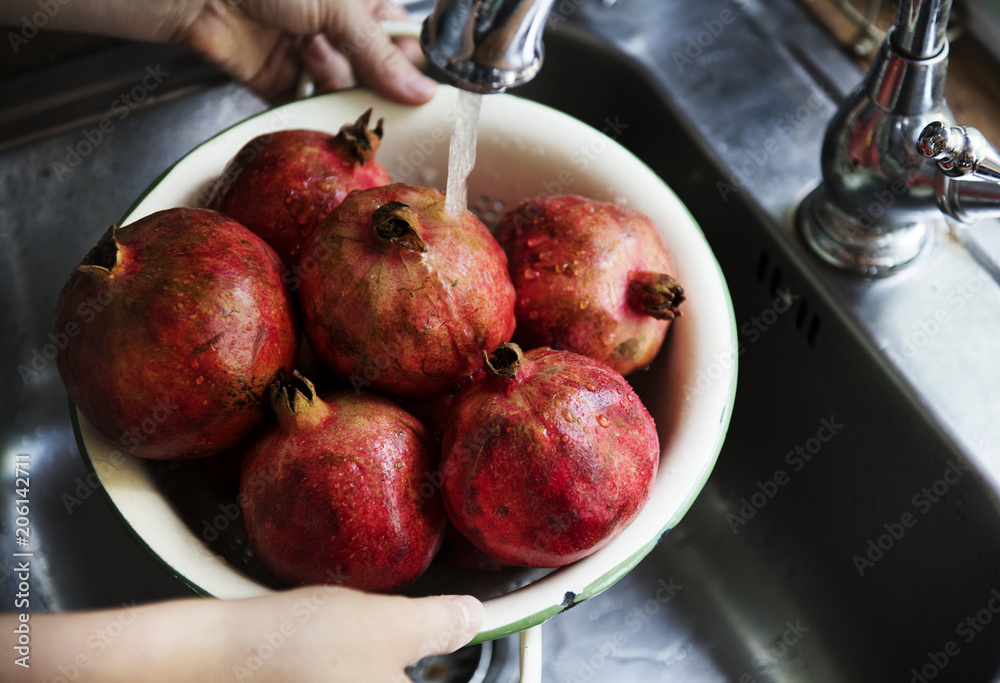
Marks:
<point>340,491</point>
<point>591,277</point>
<point>177,325</point>
<point>546,457</point>
<point>282,184</point>
<point>398,296</point>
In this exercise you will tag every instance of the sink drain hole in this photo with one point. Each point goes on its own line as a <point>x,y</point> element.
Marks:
<point>762,263</point>
<point>813,331</point>
<point>777,277</point>
<point>771,275</point>
<point>802,315</point>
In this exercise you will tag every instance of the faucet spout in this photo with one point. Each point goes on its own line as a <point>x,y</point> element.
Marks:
<point>486,46</point>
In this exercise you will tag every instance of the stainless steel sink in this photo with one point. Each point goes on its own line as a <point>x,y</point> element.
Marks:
<point>850,529</point>
<point>848,532</point>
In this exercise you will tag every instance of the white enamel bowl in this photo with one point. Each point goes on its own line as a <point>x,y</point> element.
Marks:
<point>524,150</point>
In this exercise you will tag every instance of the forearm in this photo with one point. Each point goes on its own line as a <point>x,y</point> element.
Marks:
<point>135,644</point>
<point>148,20</point>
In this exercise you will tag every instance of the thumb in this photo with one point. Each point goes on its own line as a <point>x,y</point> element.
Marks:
<point>376,59</point>
<point>437,625</point>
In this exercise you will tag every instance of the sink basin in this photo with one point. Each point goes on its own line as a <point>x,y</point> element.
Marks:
<point>843,536</point>
<point>849,531</point>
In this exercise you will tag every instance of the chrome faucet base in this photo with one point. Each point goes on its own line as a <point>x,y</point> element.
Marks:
<point>856,244</point>
<point>876,210</point>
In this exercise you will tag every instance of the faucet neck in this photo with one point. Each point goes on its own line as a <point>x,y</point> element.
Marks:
<point>904,86</point>
<point>921,28</point>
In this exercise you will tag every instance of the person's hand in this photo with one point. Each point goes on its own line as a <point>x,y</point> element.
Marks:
<point>319,633</point>
<point>267,43</point>
<point>337,634</point>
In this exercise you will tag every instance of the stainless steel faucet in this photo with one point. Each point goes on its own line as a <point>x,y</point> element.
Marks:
<point>877,207</point>
<point>485,46</point>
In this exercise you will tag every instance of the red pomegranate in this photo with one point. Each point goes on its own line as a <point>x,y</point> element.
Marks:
<point>341,491</point>
<point>546,457</point>
<point>177,325</point>
<point>591,277</point>
<point>282,184</point>
<point>398,296</point>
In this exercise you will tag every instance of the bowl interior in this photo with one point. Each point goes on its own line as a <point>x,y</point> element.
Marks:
<point>186,513</point>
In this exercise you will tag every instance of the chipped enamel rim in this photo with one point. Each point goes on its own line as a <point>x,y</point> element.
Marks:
<point>525,149</point>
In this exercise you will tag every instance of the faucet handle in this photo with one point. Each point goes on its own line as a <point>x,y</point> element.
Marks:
<point>960,151</point>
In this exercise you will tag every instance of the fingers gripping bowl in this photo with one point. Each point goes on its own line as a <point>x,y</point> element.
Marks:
<point>524,150</point>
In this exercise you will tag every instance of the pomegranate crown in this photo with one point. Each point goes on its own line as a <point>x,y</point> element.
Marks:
<point>105,254</point>
<point>505,361</point>
<point>291,396</point>
<point>362,140</point>
<point>656,294</point>
<point>392,223</point>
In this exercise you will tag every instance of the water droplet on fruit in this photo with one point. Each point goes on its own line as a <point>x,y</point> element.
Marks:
<point>530,273</point>
<point>564,438</point>
<point>584,304</point>
<point>591,387</point>
<point>535,240</point>
<point>533,315</point>
<point>569,415</point>
<point>199,380</point>
<point>603,421</point>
